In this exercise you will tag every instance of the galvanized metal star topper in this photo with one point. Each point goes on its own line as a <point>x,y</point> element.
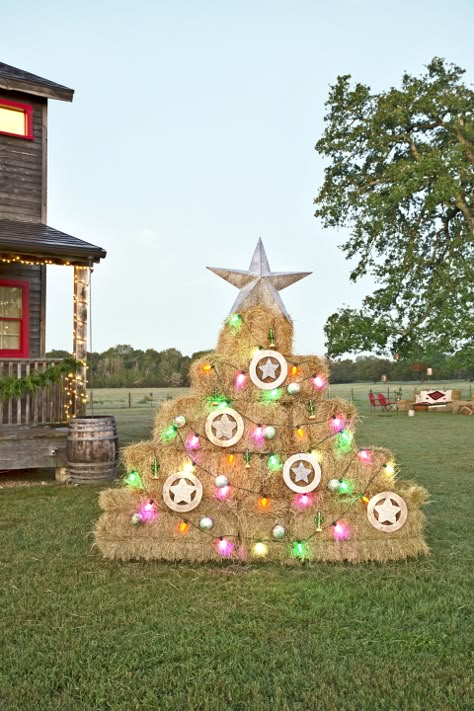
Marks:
<point>259,285</point>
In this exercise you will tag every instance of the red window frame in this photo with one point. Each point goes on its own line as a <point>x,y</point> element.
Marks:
<point>28,114</point>
<point>24,350</point>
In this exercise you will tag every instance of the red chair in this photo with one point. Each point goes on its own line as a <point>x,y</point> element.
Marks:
<point>385,404</point>
<point>373,402</point>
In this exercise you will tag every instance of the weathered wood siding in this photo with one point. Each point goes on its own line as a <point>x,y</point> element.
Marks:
<point>23,166</point>
<point>35,276</point>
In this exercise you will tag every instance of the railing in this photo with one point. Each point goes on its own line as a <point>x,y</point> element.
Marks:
<point>43,406</point>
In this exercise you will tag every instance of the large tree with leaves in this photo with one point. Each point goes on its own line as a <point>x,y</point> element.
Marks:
<point>401,177</point>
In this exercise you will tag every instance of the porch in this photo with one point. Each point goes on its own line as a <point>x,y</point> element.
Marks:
<point>43,406</point>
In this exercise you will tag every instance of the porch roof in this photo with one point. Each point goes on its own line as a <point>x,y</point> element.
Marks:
<point>17,79</point>
<point>37,243</point>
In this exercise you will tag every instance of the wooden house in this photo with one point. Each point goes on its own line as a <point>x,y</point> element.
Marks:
<point>30,420</point>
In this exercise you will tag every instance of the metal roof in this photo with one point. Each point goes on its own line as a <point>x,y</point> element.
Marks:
<point>33,241</point>
<point>18,80</point>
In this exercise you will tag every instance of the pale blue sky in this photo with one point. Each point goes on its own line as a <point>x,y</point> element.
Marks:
<point>230,102</point>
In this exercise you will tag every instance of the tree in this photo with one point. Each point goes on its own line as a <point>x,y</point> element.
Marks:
<point>401,177</point>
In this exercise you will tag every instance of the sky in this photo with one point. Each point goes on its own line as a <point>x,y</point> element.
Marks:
<point>192,134</point>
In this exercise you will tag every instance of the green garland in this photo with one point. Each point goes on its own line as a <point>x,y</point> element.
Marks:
<point>11,387</point>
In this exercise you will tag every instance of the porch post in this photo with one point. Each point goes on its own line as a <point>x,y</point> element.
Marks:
<point>81,293</point>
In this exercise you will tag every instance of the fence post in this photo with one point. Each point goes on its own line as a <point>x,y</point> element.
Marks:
<point>130,399</point>
<point>352,394</point>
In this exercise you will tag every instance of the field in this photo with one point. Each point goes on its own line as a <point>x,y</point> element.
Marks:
<point>82,633</point>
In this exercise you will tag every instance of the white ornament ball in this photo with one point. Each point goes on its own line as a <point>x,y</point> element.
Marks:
<point>269,432</point>
<point>221,481</point>
<point>135,519</point>
<point>294,388</point>
<point>206,523</point>
<point>179,421</point>
<point>333,485</point>
<point>278,531</point>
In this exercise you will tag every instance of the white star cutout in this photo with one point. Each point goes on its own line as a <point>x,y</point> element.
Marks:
<point>182,491</point>
<point>268,369</point>
<point>387,512</point>
<point>301,473</point>
<point>224,427</point>
<point>259,285</point>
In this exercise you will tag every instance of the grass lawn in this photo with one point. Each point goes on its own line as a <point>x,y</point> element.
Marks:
<point>77,632</point>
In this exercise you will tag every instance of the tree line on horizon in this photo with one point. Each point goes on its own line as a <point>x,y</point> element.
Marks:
<point>126,367</point>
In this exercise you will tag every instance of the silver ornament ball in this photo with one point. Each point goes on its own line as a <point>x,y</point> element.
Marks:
<point>179,421</point>
<point>206,523</point>
<point>136,519</point>
<point>269,432</point>
<point>278,531</point>
<point>221,481</point>
<point>294,388</point>
<point>333,485</point>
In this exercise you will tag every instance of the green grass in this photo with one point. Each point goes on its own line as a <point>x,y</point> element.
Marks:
<point>77,632</point>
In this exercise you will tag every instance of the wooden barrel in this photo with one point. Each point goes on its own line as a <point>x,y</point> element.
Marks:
<point>92,449</point>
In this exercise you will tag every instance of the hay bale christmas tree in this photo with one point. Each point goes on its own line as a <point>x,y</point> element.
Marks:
<point>256,463</point>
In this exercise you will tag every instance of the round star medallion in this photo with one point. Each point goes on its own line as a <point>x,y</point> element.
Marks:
<point>182,492</point>
<point>268,369</point>
<point>302,473</point>
<point>387,511</point>
<point>224,427</point>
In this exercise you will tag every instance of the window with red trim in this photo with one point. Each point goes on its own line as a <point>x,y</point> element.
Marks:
<point>14,319</point>
<point>16,119</point>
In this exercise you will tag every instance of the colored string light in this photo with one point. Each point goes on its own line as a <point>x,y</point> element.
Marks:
<point>319,382</point>
<point>274,463</point>
<point>264,502</point>
<point>134,480</point>
<point>192,441</point>
<point>271,395</point>
<point>302,501</point>
<point>169,433</point>
<point>260,549</point>
<point>299,549</point>
<point>337,423</point>
<point>225,547</point>
<point>148,511</point>
<point>341,530</point>
<point>240,380</point>
<point>222,493</point>
<point>183,527</point>
<point>364,456</point>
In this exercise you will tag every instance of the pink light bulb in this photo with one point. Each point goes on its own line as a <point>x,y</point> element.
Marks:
<point>222,493</point>
<point>341,531</point>
<point>225,547</point>
<point>337,423</point>
<point>148,511</point>
<point>364,456</point>
<point>192,441</point>
<point>240,379</point>
<point>302,501</point>
<point>319,382</point>
<point>258,434</point>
